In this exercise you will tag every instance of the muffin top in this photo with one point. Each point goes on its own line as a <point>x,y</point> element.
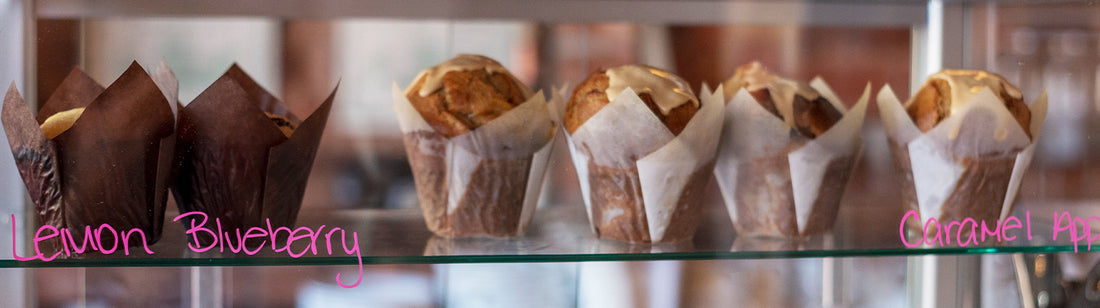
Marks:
<point>668,96</point>
<point>284,124</point>
<point>811,114</point>
<point>465,92</point>
<point>948,90</point>
<point>60,122</point>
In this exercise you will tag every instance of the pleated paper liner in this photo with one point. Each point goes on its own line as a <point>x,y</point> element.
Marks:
<point>778,183</point>
<point>970,165</point>
<point>640,183</point>
<point>235,165</point>
<point>486,182</point>
<point>111,167</point>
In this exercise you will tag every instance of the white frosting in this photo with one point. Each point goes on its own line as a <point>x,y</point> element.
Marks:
<point>668,91</point>
<point>754,76</point>
<point>434,75</point>
<point>751,76</point>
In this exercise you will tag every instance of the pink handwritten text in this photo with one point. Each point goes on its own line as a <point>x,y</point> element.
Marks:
<point>93,241</point>
<point>1079,229</point>
<point>224,239</point>
<point>107,240</point>
<point>965,232</point>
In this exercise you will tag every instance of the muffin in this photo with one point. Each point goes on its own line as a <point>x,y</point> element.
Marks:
<point>96,155</point>
<point>788,149</point>
<point>242,157</point>
<point>961,143</point>
<point>643,145</point>
<point>478,142</point>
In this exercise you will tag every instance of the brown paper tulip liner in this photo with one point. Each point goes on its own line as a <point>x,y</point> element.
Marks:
<point>112,166</point>
<point>486,182</point>
<point>242,158</point>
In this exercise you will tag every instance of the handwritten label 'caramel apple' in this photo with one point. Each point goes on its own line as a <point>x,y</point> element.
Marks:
<point>972,232</point>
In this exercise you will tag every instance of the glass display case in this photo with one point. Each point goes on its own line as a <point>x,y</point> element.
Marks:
<point>361,182</point>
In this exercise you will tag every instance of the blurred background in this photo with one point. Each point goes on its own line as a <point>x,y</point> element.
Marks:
<point>361,163</point>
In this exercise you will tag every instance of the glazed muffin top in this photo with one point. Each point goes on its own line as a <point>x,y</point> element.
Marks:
<point>947,90</point>
<point>810,114</point>
<point>668,96</point>
<point>465,92</point>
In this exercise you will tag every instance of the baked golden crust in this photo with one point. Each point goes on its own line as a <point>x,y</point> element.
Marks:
<point>930,105</point>
<point>590,96</point>
<point>764,98</point>
<point>587,99</point>
<point>284,124</point>
<point>933,101</point>
<point>467,100</point>
<point>813,117</point>
<point>60,122</point>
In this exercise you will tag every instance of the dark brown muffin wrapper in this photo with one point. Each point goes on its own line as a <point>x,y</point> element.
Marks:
<point>234,164</point>
<point>110,167</point>
<point>35,157</point>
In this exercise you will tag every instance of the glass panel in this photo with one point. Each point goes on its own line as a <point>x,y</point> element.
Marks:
<point>362,168</point>
<point>559,234</point>
<point>710,283</point>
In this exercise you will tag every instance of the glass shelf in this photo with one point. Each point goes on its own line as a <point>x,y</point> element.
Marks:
<point>561,234</point>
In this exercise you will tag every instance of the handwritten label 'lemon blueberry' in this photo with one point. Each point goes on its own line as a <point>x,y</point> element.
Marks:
<point>94,240</point>
<point>969,231</point>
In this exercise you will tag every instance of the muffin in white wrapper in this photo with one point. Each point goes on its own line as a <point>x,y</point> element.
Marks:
<point>484,182</point>
<point>777,182</point>
<point>641,182</point>
<point>969,163</point>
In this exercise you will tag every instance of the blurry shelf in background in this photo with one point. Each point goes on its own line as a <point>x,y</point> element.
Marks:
<point>561,234</point>
<point>1044,14</point>
<point>838,13</point>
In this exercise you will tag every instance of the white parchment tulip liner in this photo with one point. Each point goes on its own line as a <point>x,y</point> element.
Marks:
<point>624,135</point>
<point>776,182</point>
<point>491,155</point>
<point>969,165</point>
